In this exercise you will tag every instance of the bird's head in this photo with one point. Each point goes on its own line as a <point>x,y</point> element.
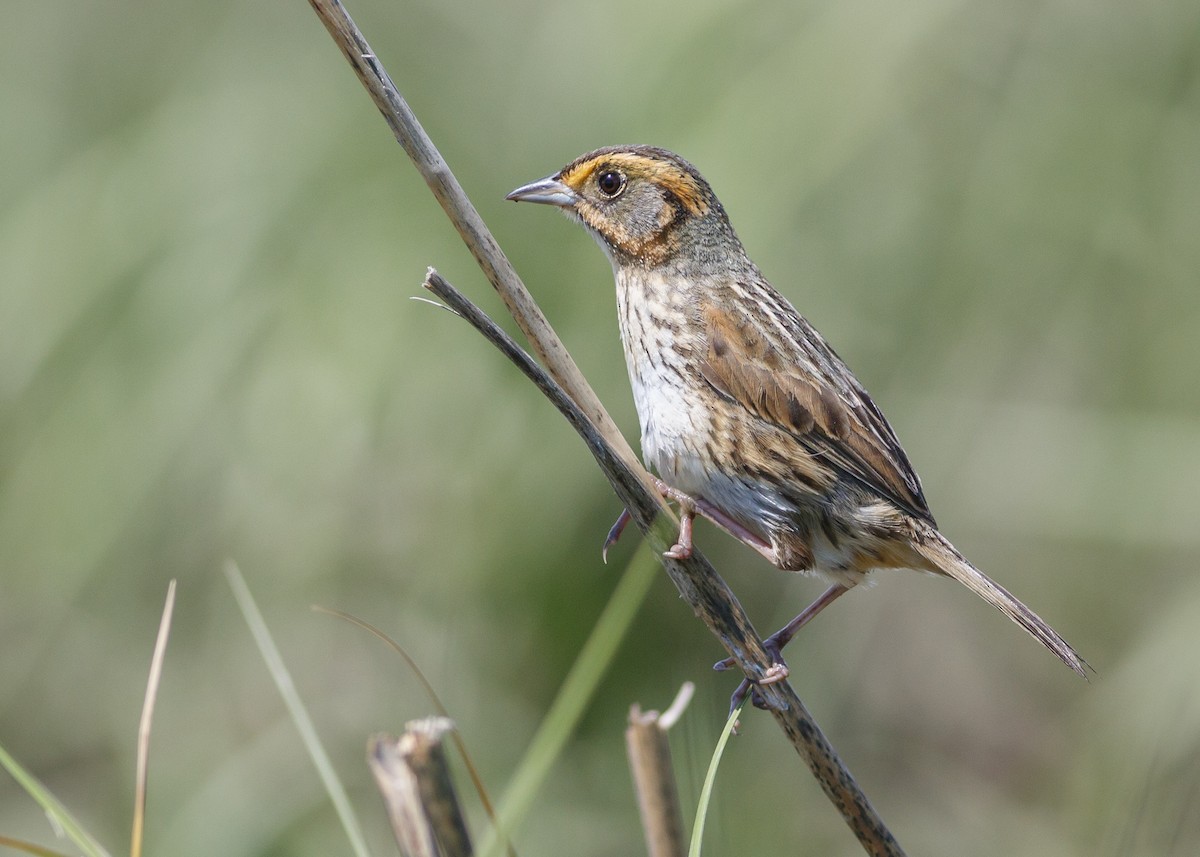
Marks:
<point>644,205</point>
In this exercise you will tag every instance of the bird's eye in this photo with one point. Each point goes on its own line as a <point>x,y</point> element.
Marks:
<point>610,183</point>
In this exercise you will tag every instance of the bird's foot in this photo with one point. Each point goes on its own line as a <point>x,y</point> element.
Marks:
<point>773,646</point>
<point>778,671</point>
<point>682,548</point>
<point>689,508</point>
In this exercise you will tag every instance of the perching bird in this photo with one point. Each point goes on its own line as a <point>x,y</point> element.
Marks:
<point>747,415</point>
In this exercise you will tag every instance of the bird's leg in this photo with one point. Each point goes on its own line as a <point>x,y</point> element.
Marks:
<point>735,529</point>
<point>689,507</point>
<point>774,644</point>
<point>682,548</point>
<point>774,648</point>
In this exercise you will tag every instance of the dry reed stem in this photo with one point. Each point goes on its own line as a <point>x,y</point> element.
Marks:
<point>695,578</point>
<point>413,775</point>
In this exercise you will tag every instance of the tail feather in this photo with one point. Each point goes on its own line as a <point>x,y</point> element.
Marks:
<point>945,558</point>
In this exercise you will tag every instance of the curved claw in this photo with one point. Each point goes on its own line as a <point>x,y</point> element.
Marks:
<point>614,533</point>
<point>778,671</point>
<point>750,689</point>
<point>739,696</point>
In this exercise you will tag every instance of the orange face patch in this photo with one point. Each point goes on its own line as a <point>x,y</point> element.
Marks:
<point>682,184</point>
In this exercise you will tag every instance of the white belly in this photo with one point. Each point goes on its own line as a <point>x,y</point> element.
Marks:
<point>670,424</point>
<point>671,415</point>
<point>670,397</point>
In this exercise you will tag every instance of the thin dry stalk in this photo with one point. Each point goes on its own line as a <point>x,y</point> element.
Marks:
<point>143,742</point>
<point>654,776</point>
<point>475,234</point>
<point>695,578</point>
<point>701,586</point>
<point>413,775</point>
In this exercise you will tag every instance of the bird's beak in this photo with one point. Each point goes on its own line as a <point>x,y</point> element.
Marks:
<point>549,191</point>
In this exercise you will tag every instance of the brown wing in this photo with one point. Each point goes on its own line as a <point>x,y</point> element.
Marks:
<point>788,376</point>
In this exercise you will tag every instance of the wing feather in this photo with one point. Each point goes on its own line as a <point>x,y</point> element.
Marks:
<point>789,377</point>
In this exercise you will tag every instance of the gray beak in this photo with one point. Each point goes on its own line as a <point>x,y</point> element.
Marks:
<point>549,191</point>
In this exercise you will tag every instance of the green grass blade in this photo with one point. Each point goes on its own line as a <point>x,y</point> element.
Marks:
<point>709,778</point>
<point>287,689</point>
<point>576,692</point>
<point>58,813</point>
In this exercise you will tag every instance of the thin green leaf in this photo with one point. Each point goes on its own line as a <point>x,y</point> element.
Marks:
<point>577,690</point>
<point>50,804</point>
<point>709,778</point>
<point>287,689</point>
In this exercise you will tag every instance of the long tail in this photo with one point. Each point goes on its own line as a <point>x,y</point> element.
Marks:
<point>945,558</point>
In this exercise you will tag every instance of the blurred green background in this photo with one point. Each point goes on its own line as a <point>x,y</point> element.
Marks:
<point>208,241</point>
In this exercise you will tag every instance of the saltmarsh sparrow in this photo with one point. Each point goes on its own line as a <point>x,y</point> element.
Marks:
<point>748,416</point>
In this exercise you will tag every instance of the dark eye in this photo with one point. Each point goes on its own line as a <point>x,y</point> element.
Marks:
<point>610,183</point>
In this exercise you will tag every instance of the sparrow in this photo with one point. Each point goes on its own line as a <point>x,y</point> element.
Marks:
<point>748,416</point>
